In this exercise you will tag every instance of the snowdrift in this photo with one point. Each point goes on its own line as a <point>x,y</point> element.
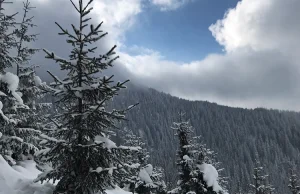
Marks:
<point>19,180</point>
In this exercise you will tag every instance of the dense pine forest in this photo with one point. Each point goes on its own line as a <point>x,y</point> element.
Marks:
<point>88,133</point>
<point>238,136</point>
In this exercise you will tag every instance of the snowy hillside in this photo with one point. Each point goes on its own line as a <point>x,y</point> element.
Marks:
<point>19,180</point>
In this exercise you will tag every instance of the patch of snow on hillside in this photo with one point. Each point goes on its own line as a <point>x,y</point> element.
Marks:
<point>27,168</point>
<point>19,180</point>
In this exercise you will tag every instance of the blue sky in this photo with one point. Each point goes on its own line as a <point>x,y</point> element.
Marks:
<point>181,34</point>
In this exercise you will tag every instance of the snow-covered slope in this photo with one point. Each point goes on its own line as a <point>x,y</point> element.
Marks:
<point>19,180</point>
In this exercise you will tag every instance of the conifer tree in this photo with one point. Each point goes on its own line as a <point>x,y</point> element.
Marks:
<point>261,185</point>
<point>136,159</point>
<point>11,140</point>
<point>293,182</point>
<point>29,119</point>
<point>83,158</point>
<point>195,175</point>
<point>185,183</point>
<point>143,178</point>
<point>205,156</point>
<point>158,179</point>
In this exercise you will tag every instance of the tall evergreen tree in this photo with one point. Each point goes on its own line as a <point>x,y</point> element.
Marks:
<point>185,183</point>
<point>29,119</point>
<point>84,159</point>
<point>11,139</point>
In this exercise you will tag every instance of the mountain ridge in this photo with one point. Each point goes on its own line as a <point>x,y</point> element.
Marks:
<point>236,134</point>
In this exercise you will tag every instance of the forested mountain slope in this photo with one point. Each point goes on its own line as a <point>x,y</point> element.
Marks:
<point>236,134</point>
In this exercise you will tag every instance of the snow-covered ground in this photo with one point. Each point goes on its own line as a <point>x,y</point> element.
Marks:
<point>19,180</point>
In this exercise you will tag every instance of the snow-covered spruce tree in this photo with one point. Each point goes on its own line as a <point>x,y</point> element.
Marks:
<point>11,141</point>
<point>84,160</point>
<point>206,158</point>
<point>143,178</point>
<point>135,159</point>
<point>261,185</point>
<point>184,162</point>
<point>158,179</point>
<point>195,175</point>
<point>150,180</point>
<point>10,101</point>
<point>30,119</point>
<point>293,182</point>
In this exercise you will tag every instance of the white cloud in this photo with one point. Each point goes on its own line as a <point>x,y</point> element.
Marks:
<point>260,68</point>
<point>166,5</point>
<point>260,25</point>
<point>118,15</point>
<point>247,79</point>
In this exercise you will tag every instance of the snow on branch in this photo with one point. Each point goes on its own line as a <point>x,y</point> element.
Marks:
<point>101,170</point>
<point>210,176</point>
<point>12,83</point>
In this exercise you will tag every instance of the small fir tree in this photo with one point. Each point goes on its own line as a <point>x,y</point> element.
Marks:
<point>206,156</point>
<point>143,178</point>
<point>195,175</point>
<point>293,182</point>
<point>158,179</point>
<point>136,159</point>
<point>261,185</point>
